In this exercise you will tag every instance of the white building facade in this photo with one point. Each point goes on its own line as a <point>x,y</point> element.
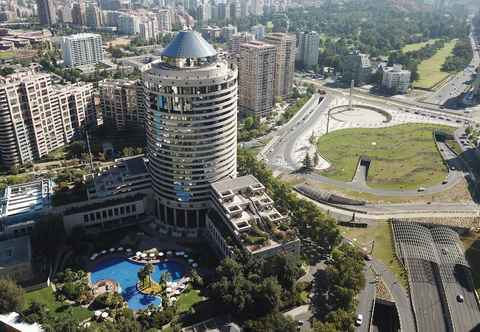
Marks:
<point>82,49</point>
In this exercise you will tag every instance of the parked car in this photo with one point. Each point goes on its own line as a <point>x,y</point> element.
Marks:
<point>359,320</point>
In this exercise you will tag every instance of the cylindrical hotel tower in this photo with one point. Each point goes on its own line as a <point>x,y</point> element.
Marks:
<point>191,124</point>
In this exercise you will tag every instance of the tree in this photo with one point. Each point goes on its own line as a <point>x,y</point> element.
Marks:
<point>147,271</point>
<point>48,236</point>
<point>166,277</point>
<point>11,297</point>
<point>142,275</point>
<point>197,280</point>
<point>307,163</point>
<point>272,323</point>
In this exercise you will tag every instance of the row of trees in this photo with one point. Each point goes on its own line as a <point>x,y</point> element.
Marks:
<point>256,290</point>
<point>461,56</point>
<point>337,287</point>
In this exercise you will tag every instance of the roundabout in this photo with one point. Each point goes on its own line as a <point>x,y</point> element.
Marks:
<point>442,171</point>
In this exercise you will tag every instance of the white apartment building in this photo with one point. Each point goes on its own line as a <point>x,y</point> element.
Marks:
<point>256,76</point>
<point>129,24</point>
<point>122,103</point>
<point>396,79</point>
<point>285,61</point>
<point>37,117</point>
<point>82,49</point>
<point>148,29</point>
<point>164,20</point>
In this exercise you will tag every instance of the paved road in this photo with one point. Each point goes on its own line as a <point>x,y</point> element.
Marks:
<point>280,154</point>
<point>399,295</point>
<point>366,299</point>
<point>458,83</point>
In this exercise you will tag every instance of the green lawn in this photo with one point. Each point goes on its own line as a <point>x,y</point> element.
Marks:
<point>46,297</point>
<point>189,299</point>
<point>7,54</point>
<point>417,46</point>
<point>430,70</point>
<point>381,234</point>
<point>403,156</point>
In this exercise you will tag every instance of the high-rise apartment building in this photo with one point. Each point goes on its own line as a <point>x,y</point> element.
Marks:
<point>258,31</point>
<point>148,29</point>
<point>78,13</point>
<point>93,16</point>
<point>191,127</point>
<point>82,49</point>
<point>129,24</point>
<point>37,117</point>
<point>285,61</point>
<point>122,103</point>
<point>46,12</point>
<point>308,49</point>
<point>256,7</point>
<point>396,79</point>
<point>238,39</point>
<point>256,76</point>
<point>164,20</point>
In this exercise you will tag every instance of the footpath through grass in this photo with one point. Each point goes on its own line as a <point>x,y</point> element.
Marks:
<point>403,156</point>
<point>430,70</point>
<point>381,234</point>
<point>46,297</point>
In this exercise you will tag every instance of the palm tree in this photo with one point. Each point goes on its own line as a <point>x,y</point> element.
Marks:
<point>141,276</point>
<point>148,272</point>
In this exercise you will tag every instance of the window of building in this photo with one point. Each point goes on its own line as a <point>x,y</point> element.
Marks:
<point>98,215</point>
<point>92,216</point>
<point>134,208</point>
<point>128,209</point>
<point>85,218</point>
<point>115,211</point>
<point>122,210</point>
<point>110,213</point>
<point>104,214</point>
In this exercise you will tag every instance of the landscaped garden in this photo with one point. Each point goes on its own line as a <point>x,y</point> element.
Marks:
<point>403,156</point>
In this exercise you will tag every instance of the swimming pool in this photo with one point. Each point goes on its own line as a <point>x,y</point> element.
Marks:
<point>125,272</point>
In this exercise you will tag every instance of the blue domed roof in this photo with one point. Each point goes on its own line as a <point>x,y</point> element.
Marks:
<point>189,44</point>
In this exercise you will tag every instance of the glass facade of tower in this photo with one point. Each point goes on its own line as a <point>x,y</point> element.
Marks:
<point>191,125</point>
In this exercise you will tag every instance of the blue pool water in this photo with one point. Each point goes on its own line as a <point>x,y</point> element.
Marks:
<point>125,272</point>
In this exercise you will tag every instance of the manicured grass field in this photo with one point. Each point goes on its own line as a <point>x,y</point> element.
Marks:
<point>7,54</point>
<point>403,156</point>
<point>416,46</point>
<point>46,297</point>
<point>187,300</point>
<point>381,233</point>
<point>430,70</point>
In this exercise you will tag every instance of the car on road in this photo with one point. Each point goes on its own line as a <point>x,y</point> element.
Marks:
<point>421,189</point>
<point>359,320</point>
<point>460,298</point>
<point>368,257</point>
<point>444,181</point>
